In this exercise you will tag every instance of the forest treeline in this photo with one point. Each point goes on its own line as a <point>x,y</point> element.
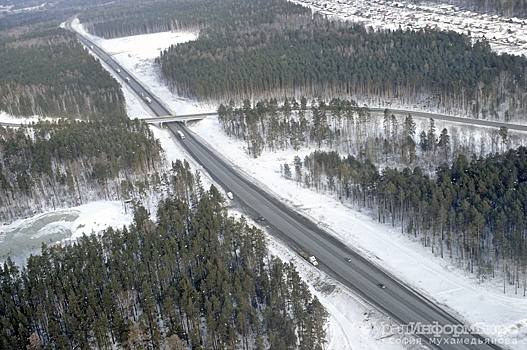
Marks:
<point>148,17</point>
<point>96,152</point>
<point>193,278</point>
<point>68,162</point>
<point>193,15</point>
<point>470,211</point>
<point>299,54</point>
<point>116,20</point>
<point>49,14</point>
<point>47,72</point>
<point>343,125</point>
<point>273,48</point>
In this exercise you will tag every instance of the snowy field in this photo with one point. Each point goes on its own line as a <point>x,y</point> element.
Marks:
<point>353,323</point>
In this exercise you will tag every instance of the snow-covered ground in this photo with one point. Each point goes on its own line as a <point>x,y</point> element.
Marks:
<point>353,323</point>
<point>479,304</point>
<point>502,316</point>
<point>503,34</point>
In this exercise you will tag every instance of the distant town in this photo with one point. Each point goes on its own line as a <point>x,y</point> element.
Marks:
<point>503,34</point>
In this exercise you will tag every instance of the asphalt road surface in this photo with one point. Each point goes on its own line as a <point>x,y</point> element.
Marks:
<point>432,326</point>
<point>445,117</point>
<point>122,73</point>
<point>396,300</point>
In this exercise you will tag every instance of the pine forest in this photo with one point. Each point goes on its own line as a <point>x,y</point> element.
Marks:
<point>50,165</point>
<point>87,148</point>
<point>186,275</point>
<point>274,48</point>
<point>194,278</point>
<point>191,278</point>
<point>471,211</point>
<point>47,72</point>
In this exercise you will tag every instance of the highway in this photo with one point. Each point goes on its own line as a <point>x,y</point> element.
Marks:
<point>127,77</point>
<point>399,302</point>
<point>396,300</point>
<point>142,92</point>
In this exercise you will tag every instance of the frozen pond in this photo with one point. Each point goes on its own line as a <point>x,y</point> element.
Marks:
<point>25,237</point>
<point>19,241</point>
<point>22,240</point>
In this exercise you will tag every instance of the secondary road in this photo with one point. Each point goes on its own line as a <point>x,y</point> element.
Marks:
<point>401,303</point>
<point>446,117</point>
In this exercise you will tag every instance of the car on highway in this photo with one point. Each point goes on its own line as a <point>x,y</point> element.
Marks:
<point>381,286</point>
<point>348,259</point>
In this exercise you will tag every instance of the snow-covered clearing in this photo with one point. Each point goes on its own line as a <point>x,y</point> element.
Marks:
<point>353,323</point>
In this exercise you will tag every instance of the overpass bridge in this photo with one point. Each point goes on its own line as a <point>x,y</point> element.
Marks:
<point>178,118</point>
<point>154,120</point>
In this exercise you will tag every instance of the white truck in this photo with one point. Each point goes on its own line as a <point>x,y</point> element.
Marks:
<point>180,134</point>
<point>127,80</point>
<point>148,99</point>
<point>230,195</point>
<point>310,258</point>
